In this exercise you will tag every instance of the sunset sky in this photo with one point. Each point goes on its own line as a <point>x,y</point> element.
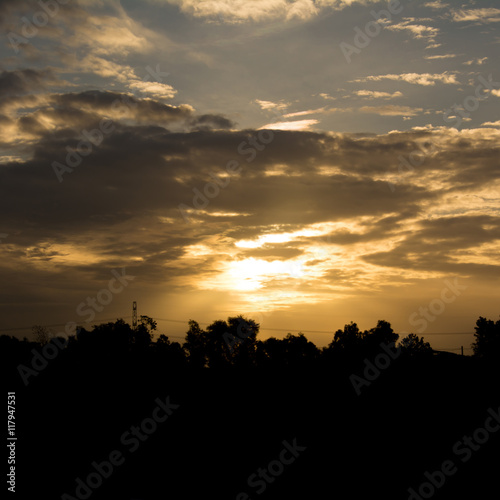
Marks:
<point>303,162</point>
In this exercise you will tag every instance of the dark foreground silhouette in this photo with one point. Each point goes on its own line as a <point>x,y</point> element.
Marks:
<point>111,414</point>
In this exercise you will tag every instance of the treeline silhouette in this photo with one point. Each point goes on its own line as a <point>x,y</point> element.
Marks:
<point>239,398</point>
<point>234,343</point>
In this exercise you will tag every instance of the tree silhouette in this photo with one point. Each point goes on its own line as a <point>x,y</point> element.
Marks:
<point>292,351</point>
<point>241,340</point>
<point>229,386</point>
<point>349,339</point>
<point>109,337</point>
<point>163,340</point>
<point>270,352</point>
<point>412,345</point>
<point>170,353</point>
<point>194,345</point>
<point>351,342</point>
<point>299,350</point>
<point>222,343</point>
<point>143,335</point>
<point>40,334</point>
<point>487,343</point>
<point>381,334</point>
<point>149,323</point>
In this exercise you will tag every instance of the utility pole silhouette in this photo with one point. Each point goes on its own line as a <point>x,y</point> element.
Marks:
<point>134,315</point>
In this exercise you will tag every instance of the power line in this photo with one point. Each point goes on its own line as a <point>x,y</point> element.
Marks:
<point>289,330</point>
<point>262,328</point>
<point>303,330</point>
<point>53,326</point>
<point>449,333</point>
<point>207,323</point>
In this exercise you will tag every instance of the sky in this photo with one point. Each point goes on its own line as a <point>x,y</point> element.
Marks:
<point>306,163</point>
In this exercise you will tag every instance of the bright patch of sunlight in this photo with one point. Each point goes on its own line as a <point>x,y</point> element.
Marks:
<point>276,238</point>
<point>249,274</point>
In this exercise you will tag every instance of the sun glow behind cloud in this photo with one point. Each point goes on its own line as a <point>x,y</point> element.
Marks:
<point>322,271</point>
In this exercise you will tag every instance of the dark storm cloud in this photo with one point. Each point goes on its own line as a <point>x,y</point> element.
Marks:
<point>23,81</point>
<point>209,122</point>
<point>139,169</point>
<point>313,199</point>
<point>113,102</point>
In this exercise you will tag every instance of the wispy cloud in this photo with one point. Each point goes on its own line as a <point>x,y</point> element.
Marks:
<point>418,31</point>
<point>438,4</point>
<point>154,89</point>
<point>272,106</point>
<point>425,79</point>
<point>294,125</point>
<point>443,56</point>
<point>239,11</point>
<point>373,94</point>
<point>306,112</point>
<point>391,110</point>
<point>477,61</point>
<point>491,124</point>
<point>487,15</point>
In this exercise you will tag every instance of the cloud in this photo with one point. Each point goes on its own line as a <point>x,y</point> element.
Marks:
<point>444,56</point>
<point>149,83</point>
<point>318,204</point>
<point>118,105</point>
<point>269,105</point>
<point>238,11</point>
<point>90,43</point>
<point>105,68</point>
<point>53,117</point>
<point>82,26</point>
<point>478,61</point>
<point>111,35</point>
<point>482,16</point>
<point>306,112</point>
<point>425,79</point>
<point>24,81</point>
<point>390,110</point>
<point>293,125</point>
<point>417,31</point>
<point>372,94</point>
<point>491,124</point>
<point>154,89</point>
<point>211,122</point>
<point>341,4</point>
<point>438,4</point>
<point>441,244</point>
<point>316,207</point>
<point>302,9</point>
